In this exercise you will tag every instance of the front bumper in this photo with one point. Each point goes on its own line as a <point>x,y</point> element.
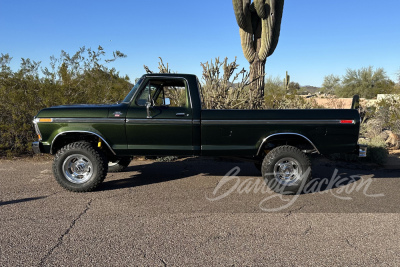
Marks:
<point>362,151</point>
<point>38,147</point>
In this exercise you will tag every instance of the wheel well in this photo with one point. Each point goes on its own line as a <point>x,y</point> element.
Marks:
<point>296,140</point>
<point>64,139</point>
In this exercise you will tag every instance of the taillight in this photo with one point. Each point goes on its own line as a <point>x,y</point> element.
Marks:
<point>347,122</point>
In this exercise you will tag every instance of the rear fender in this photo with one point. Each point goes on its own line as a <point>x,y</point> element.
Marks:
<point>294,139</point>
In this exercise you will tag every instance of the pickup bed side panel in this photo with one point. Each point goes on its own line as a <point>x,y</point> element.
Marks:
<point>242,131</point>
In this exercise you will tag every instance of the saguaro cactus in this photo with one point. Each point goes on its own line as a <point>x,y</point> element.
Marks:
<point>286,82</point>
<point>259,23</point>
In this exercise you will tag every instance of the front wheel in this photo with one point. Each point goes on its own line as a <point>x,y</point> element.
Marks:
<point>286,170</point>
<point>80,167</point>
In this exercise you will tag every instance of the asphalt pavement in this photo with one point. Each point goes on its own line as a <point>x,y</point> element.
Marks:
<point>199,212</point>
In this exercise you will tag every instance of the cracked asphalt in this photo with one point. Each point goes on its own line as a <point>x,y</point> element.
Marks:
<point>190,213</point>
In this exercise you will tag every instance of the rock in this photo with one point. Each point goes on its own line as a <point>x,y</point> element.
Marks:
<point>384,135</point>
<point>393,140</point>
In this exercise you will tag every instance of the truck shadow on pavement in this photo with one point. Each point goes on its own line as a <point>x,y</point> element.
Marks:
<point>16,201</point>
<point>153,172</point>
<point>159,172</point>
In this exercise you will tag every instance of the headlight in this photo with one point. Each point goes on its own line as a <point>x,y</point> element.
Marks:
<point>35,123</point>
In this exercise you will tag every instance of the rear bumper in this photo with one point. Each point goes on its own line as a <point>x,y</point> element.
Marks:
<point>362,151</point>
<point>38,148</point>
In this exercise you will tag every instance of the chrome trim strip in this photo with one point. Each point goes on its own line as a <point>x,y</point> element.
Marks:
<point>196,122</point>
<point>99,136</point>
<point>272,135</point>
<point>251,122</point>
<point>87,120</point>
<point>158,121</point>
<point>122,120</point>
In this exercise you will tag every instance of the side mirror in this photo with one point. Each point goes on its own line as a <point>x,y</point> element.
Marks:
<point>167,101</point>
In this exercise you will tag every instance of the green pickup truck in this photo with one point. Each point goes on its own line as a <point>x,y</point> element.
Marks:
<point>162,115</point>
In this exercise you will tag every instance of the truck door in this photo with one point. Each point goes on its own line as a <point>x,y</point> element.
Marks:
<point>159,119</point>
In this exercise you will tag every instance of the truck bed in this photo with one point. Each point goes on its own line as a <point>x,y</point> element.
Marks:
<point>330,131</point>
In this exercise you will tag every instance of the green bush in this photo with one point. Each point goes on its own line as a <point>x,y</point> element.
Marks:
<point>388,113</point>
<point>277,98</point>
<point>167,159</point>
<point>377,151</point>
<point>222,89</point>
<point>365,82</point>
<point>80,78</point>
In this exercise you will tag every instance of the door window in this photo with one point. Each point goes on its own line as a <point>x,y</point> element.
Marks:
<point>159,90</point>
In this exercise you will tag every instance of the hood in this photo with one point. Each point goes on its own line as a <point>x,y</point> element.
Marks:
<point>79,111</point>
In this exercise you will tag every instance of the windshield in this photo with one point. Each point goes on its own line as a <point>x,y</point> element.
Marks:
<point>128,98</point>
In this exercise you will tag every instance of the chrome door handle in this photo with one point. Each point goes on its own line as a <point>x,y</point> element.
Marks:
<point>180,114</point>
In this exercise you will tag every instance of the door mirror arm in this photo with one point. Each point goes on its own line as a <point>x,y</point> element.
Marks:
<point>148,105</point>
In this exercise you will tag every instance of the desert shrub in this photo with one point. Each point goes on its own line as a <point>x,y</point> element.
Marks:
<point>283,101</point>
<point>222,88</point>
<point>383,116</point>
<point>277,98</point>
<point>371,128</point>
<point>377,151</point>
<point>388,113</point>
<point>80,78</point>
<point>365,82</point>
<point>167,159</point>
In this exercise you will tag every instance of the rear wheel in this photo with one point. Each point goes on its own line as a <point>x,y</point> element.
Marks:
<point>286,170</point>
<point>80,167</point>
<point>119,164</point>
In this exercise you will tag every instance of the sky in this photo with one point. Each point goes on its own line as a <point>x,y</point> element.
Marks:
<point>318,38</point>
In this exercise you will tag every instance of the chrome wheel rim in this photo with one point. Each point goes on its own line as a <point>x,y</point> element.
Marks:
<point>78,169</point>
<point>287,171</point>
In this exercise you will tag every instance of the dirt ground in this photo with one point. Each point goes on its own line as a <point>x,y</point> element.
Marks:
<point>395,152</point>
<point>393,160</point>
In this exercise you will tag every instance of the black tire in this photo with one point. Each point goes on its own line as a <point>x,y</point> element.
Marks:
<point>119,164</point>
<point>80,167</point>
<point>286,170</point>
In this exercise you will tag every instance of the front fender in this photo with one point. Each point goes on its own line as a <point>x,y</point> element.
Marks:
<point>73,132</point>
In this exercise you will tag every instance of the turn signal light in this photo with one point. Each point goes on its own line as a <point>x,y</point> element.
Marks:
<point>45,120</point>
